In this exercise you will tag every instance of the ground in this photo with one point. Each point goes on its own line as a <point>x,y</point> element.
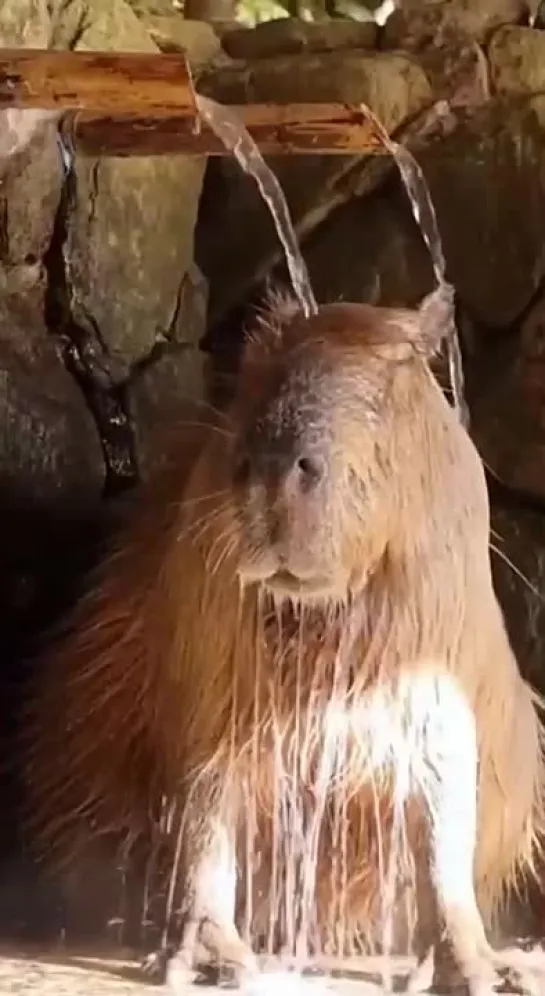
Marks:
<point>58,973</point>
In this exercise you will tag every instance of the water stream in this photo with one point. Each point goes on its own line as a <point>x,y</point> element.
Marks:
<point>425,216</point>
<point>228,127</point>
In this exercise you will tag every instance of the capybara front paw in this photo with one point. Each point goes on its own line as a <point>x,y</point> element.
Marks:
<point>155,965</point>
<point>235,959</point>
<point>181,972</point>
<point>495,970</point>
<point>491,973</point>
<point>214,951</point>
<point>518,970</point>
<point>486,975</point>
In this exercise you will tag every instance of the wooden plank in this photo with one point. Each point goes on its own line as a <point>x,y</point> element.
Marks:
<point>292,129</point>
<point>106,83</point>
<point>126,104</point>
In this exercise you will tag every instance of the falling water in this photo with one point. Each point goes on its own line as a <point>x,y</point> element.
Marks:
<point>425,216</point>
<point>227,126</point>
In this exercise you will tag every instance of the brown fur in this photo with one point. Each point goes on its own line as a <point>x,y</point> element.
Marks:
<point>185,662</point>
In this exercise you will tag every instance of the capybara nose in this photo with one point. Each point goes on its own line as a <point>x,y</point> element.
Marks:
<point>304,474</point>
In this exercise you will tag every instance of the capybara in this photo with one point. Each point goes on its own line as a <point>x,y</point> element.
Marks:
<point>298,642</point>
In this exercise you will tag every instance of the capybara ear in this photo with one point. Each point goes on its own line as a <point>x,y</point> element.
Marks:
<point>436,313</point>
<point>264,336</point>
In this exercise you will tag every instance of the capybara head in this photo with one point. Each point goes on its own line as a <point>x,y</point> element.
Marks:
<point>313,461</point>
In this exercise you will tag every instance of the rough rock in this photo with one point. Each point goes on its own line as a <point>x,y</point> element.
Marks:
<point>156,394</point>
<point>517,61</point>
<point>171,31</point>
<point>25,23</point>
<point>289,36</point>
<point>130,233</point>
<point>29,198</point>
<point>391,83</point>
<point>494,160</point>
<point>159,389</point>
<point>416,24</point>
<point>380,255</point>
<point>512,380</point>
<point>50,452</point>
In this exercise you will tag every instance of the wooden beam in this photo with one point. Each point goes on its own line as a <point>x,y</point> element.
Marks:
<point>101,82</point>
<point>142,104</point>
<point>277,130</point>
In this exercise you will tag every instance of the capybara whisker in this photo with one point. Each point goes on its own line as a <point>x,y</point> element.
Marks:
<point>228,533</point>
<point>209,426</point>
<point>196,529</point>
<point>199,499</point>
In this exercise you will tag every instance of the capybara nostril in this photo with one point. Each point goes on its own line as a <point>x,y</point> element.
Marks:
<point>310,470</point>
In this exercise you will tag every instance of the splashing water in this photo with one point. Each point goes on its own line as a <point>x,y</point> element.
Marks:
<point>227,126</point>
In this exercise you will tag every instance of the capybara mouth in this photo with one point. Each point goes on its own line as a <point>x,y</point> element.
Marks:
<point>284,582</point>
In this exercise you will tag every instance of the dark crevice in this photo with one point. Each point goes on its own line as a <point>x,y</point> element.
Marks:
<point>160,348</point>
<point>4,238</point>
<point>101,377</point>
<point>81,28</point>
<point>515,324</point>
<point>509,497</point>
<point>489,331</point>
<point>169,334</point>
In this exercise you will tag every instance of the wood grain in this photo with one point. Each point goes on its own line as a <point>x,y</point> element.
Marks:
<point>107,83</point>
